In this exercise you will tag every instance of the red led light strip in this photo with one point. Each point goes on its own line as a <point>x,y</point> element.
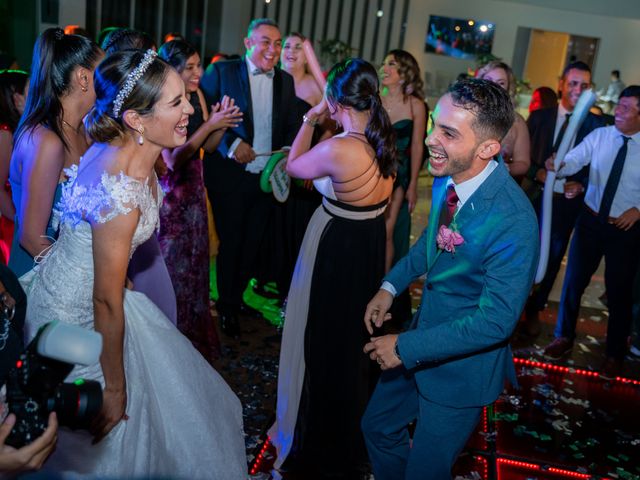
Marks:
<point>484,465</point>
<point>255,468</point>
<point>535,466</point>
<point>485,420</point>
<point>259,460</point>
<point>577,371</point>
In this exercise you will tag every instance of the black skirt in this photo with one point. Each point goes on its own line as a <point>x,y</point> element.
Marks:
<point>339,377</point>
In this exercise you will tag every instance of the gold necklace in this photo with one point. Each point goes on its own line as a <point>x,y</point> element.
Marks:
<point>77,130</point>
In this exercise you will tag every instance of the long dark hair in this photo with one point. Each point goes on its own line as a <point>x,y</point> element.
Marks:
<point>101,124</point>
<point>176,53</point>
<point>55,57</point>
<point>354,83</point>
<point>11,82</point>
<point>409,72</point>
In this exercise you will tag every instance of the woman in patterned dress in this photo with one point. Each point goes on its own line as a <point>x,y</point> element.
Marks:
<point>183,217</point>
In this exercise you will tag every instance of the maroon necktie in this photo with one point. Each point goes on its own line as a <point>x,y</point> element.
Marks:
<point>451,204</point>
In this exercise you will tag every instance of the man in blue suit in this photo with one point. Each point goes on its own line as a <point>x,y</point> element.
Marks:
<point>241,211</point>
<point>479,255</point>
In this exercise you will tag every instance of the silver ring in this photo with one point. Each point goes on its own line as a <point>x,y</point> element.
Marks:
<point>379,360</point>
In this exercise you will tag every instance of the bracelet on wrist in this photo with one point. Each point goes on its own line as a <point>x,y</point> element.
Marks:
<point>309,121</point>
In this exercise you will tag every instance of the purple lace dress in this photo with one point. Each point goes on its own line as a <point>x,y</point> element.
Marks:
<point>184,242</point>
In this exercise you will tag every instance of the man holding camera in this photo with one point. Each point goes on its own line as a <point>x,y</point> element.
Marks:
<point>32,456</point>
<point>29,457</point>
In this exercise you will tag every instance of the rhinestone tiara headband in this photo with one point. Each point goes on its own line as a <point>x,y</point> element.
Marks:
<point>131,81</point>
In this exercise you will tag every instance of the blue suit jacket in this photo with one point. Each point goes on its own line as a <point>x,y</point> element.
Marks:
<point>458,346</point>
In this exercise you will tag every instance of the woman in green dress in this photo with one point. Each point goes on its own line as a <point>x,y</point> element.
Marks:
<point>403,99</point>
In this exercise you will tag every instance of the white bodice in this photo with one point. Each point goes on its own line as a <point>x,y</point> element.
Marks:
<point>324,185</point>
<point>115,195</point>
<point>64,274</point>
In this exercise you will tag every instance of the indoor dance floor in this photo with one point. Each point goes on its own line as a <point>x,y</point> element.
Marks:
<point>564,421</point>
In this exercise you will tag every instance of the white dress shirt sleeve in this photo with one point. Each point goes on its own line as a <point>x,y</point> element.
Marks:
<point>232,148</point>
<point>579,156</point>
<point>389,288</point>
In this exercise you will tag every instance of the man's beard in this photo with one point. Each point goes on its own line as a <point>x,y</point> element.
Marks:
<point>454,165</point>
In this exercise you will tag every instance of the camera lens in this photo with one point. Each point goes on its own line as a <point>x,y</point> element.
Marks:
<point>76,404</point>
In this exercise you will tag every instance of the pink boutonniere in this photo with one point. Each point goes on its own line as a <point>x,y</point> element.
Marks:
<point>448,239</point>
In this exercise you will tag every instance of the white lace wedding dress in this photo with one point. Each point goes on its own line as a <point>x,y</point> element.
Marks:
<point>184,420</point>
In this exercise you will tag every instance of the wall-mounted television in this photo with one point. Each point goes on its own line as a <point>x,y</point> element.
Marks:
<point>460,38</point>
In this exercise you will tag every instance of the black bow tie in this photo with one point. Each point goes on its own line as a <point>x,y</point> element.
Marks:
<point>268,73</point>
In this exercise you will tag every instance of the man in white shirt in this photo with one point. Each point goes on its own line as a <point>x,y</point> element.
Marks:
<point>546,129</point>
<point>266,96</point>
<point>608,226</point>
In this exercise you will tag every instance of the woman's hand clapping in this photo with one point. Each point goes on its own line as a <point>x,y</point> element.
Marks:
<point>225,114</point>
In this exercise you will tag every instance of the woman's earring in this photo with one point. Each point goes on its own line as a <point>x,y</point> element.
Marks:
<point>141,138</point>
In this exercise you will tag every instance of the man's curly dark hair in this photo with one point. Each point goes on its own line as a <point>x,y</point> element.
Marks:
<point>489,103</point>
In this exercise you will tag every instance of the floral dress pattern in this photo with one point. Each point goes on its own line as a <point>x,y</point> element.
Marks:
<point>184,241</point>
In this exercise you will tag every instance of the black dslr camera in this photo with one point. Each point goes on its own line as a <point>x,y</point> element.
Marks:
<point>35,388</point>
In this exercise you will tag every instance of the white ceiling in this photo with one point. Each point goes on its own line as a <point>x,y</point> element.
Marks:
<point>612,8</point>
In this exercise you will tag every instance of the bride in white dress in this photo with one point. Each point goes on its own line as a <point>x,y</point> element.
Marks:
<point>166,412</point>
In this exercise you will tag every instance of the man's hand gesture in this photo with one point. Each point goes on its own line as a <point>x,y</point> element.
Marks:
<point>377,309</point>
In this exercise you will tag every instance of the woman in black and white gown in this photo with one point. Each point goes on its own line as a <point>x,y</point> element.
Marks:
<point>324,379</point>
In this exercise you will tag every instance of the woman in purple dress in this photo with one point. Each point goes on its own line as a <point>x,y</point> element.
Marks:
<point>183,217</point>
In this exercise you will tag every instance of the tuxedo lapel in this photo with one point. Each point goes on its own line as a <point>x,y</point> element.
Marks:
<point>243,81</point>
<point>549,126</point>
<point>275,109</point>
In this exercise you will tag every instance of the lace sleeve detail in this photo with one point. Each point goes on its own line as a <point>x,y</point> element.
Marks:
<point>115,195</point>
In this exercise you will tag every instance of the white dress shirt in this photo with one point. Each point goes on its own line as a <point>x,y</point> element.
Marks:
<point>600,149</point>
<point>464,190</point>
<point>261,87</point>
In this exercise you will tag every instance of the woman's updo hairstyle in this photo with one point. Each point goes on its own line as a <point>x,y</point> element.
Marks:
<point>177,53</point>
<point>409,72</point>
<point>354,83</point>
<point>101,123</point>
<point>55,57</point>
<point>126,39</point>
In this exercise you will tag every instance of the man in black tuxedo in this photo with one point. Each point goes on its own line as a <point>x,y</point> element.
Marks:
<point>546,128</point>
<point>241,210</point>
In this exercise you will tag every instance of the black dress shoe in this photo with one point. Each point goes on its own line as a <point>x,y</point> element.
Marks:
<point>229,325</point>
